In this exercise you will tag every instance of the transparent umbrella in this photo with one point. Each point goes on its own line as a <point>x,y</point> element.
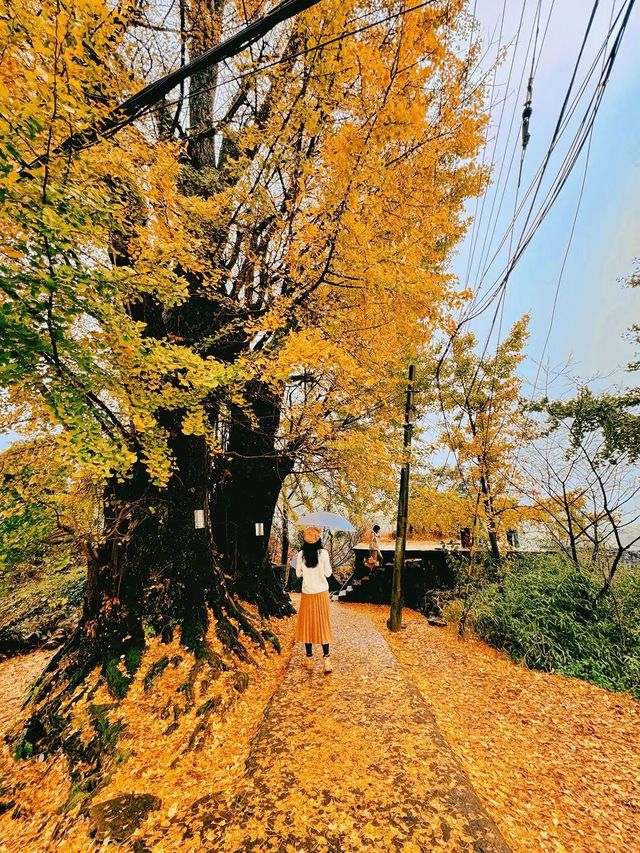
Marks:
<point>328,520</point>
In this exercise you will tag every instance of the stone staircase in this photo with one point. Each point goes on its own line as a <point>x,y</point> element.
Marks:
<point>374,588</point>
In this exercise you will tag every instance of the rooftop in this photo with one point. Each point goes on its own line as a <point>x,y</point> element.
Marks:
<point>389,544</point>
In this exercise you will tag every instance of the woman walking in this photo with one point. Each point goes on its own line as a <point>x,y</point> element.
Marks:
<point>314,623</point>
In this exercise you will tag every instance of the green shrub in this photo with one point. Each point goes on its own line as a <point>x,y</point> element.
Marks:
<point>546,614</point>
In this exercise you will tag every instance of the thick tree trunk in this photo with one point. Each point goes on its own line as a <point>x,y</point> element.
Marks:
<point>153,571</point>
<point>110,634</point>
<point>244,494</point>
<point>205,27</point>
<point>247,495</point>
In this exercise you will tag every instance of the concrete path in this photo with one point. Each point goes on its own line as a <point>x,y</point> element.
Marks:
<point>350,761</point>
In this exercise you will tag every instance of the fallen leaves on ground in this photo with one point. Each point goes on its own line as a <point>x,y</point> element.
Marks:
<point>347,762</point>
<point>152,759</point>
<point>555,760</point>
<point>47,607</point>
<point>16,676</point>
<point>353,760</point>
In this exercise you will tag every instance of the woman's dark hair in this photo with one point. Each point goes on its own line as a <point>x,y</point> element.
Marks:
<point>376,528</point>
<point>310,553</point>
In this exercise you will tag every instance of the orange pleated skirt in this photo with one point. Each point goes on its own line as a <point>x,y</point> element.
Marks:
<point>314,623</point>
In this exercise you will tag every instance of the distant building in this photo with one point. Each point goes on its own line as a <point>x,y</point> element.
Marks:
<point>427,570</point>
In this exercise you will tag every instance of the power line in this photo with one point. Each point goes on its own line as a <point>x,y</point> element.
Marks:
<point>477,220</point>
<point>559,182</point>
<point>487,239</point>
<point>508,233</point>
<point>289,57</point>
<point>526,115</point>
<point>569,161</point>
<point>567,167</point>
<point>467,392</point>
<point>559,281</point>
<point>517,146</point>
<point>510,265</point>
<point>569,241</point>
<point>515,149</point>
<point>501,302</point>
<point>130,109</point>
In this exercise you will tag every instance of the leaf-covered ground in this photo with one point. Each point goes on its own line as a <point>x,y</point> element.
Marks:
<point>203,755</point>
<point>16,675</point>
<point>555,760</point>
<point>350,761</point>
<point>47,607</point>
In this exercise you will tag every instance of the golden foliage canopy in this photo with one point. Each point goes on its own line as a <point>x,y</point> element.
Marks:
<point>310,254</point>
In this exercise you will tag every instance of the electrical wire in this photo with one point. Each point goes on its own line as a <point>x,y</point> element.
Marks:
<point>304,52</point>
<point>508,235</point>
<point>487,240</point>
<point>511,262</point>
<point>467,392</point>
<point>537,62</point>
<point>558,286</point>
<point>566,168</point>
<point>501,302</point>
<point>477,220</point>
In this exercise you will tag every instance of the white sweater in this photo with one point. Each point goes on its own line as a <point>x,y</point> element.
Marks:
<point>314,578</point>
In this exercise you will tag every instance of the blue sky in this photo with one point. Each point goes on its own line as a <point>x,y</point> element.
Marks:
<point>594,308</point>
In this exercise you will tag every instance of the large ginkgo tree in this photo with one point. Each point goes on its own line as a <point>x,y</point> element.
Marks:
<point>225,292</point>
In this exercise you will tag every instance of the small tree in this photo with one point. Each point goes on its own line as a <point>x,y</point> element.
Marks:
<point>585,493</point>
<point>49,512</point>
<point>483,423</point>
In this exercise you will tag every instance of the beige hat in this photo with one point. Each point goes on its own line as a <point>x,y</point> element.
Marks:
<point>312,535</point>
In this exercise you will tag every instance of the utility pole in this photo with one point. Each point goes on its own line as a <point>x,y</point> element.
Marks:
<point>394,623</point>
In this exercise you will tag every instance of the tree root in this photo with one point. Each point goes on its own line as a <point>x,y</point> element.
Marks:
<point>64,683</point>
<point>156,669</point>
<point>271,638</point>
